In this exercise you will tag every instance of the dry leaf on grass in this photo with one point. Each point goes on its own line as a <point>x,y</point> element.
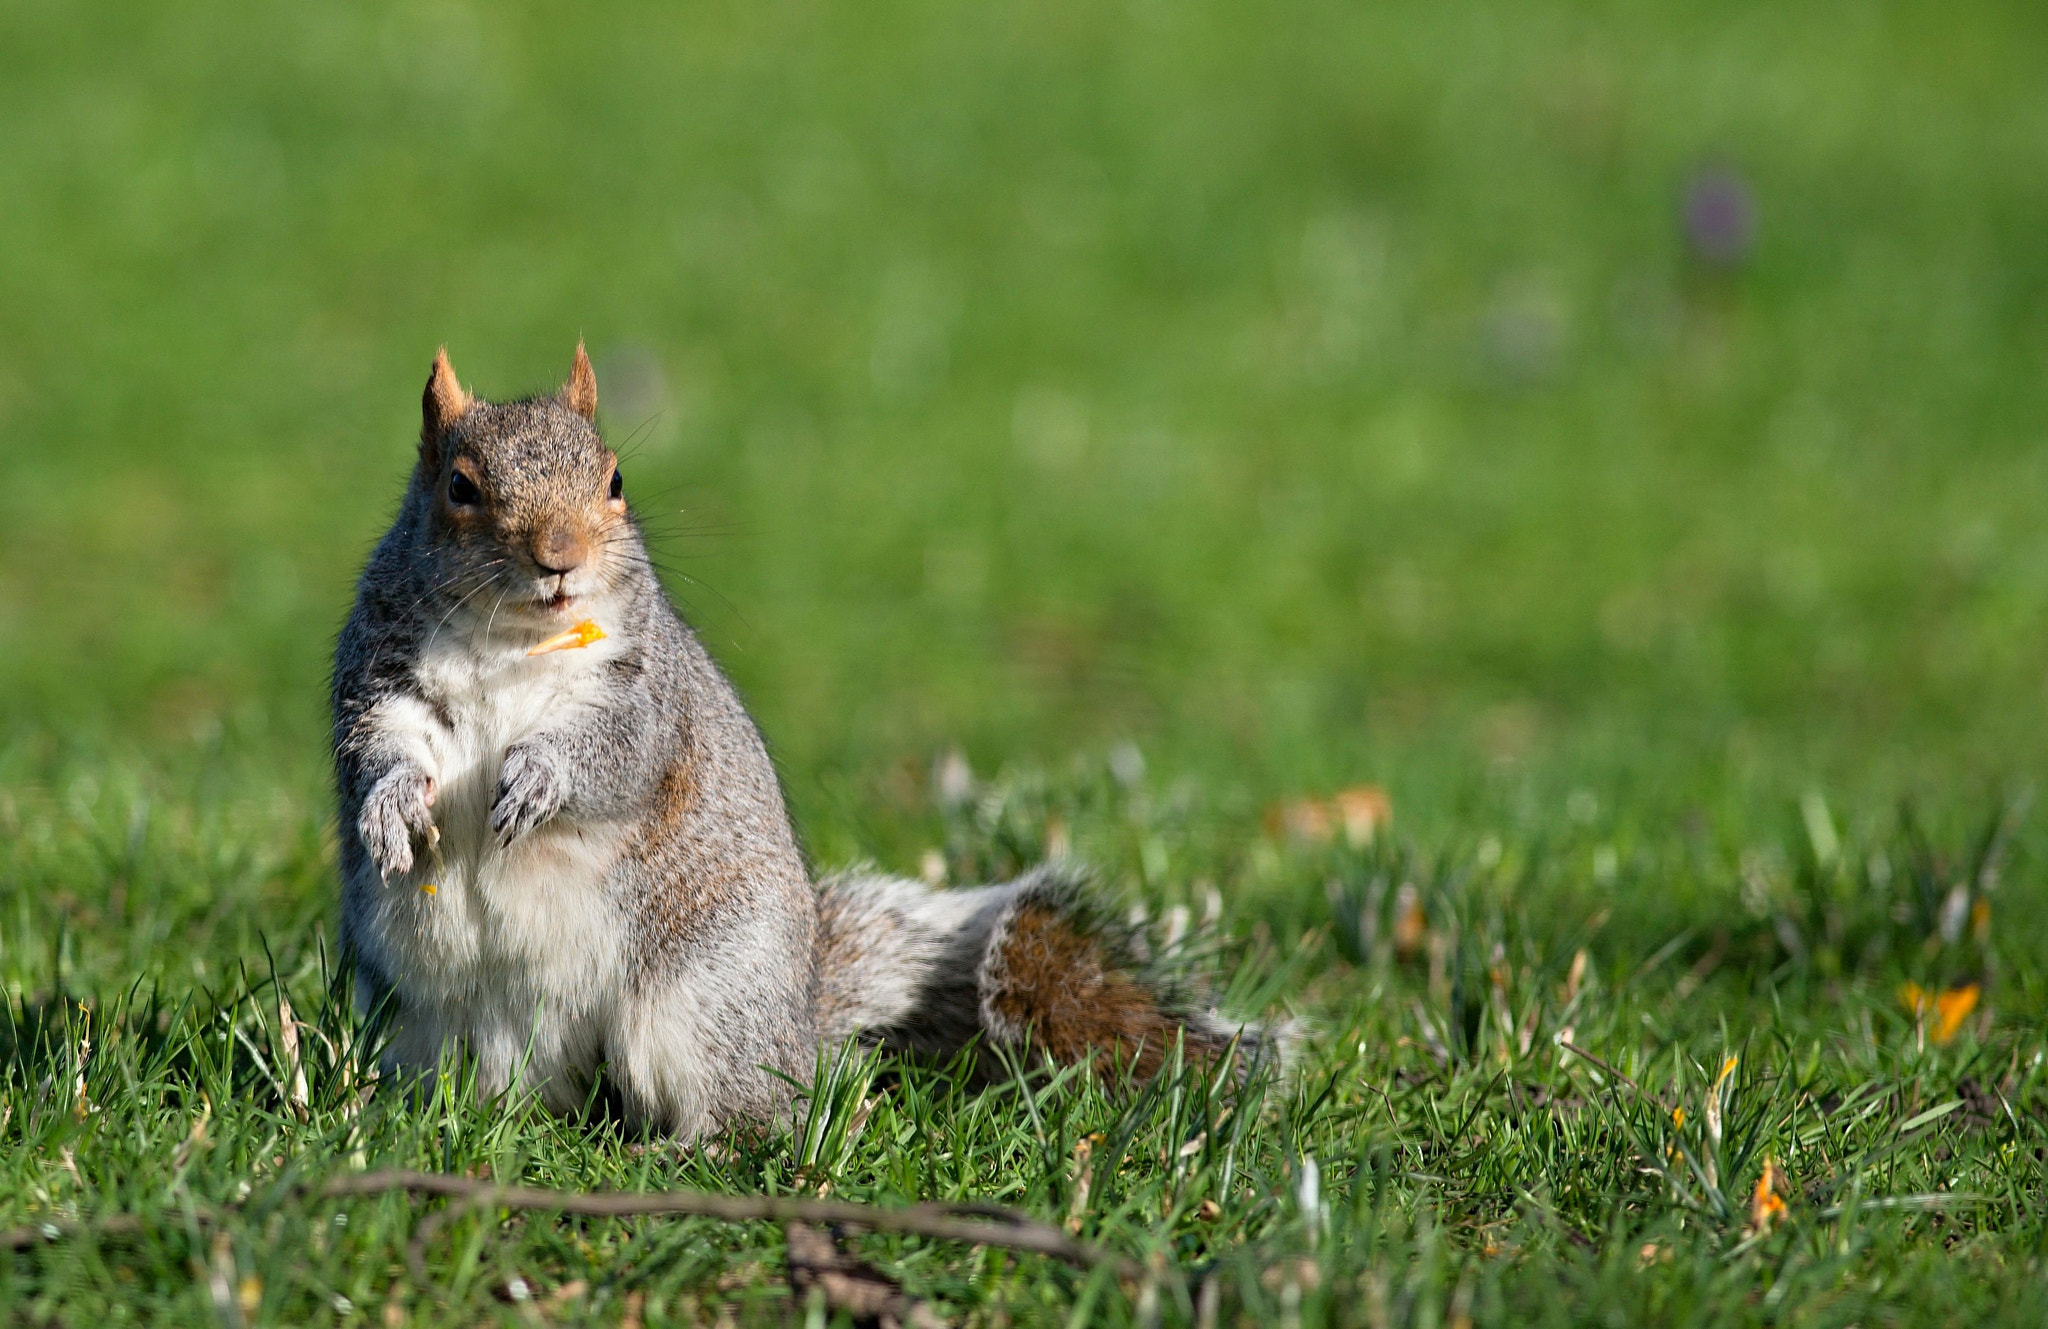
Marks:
<point>1767,1201</point>
<point>1948,1009</point>
<point>1360,813</point>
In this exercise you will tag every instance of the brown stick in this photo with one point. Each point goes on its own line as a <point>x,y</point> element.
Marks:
<point>1587,1056</point>
<point>1009,1229</point>
<point>120,1225</point>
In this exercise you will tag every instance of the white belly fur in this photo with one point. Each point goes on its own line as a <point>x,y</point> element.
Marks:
<point>518,952</point>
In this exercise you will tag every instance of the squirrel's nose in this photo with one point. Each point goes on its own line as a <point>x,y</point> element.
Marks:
<point>560,552</point>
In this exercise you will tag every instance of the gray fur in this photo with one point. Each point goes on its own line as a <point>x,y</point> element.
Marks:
<point>920,970</point>
<point>703,879</point>
<point>583,859</point>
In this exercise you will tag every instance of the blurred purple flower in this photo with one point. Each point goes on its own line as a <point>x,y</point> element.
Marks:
<point>1720,217</point>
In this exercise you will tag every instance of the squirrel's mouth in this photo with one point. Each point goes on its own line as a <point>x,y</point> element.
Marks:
<point>554,600</point>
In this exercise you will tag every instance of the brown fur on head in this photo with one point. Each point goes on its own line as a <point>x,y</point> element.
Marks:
<point>579,394</point>
<point>443,403</point>
<point>523,493</point>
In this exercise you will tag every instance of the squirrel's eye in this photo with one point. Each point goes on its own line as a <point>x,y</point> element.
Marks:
<point>618,485</point>
<point>462,491</point>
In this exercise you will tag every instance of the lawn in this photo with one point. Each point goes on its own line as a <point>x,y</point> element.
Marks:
<point>1615,432</point>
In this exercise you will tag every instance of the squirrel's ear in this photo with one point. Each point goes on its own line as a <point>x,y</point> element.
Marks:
<point>579,394</point>
<point>444,401</point>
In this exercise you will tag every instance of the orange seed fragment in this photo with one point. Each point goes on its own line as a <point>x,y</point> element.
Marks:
<point>575,639</point>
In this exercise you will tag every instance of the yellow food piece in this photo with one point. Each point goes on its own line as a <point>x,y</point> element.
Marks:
<point>427,886</point>
<point>575,639</point>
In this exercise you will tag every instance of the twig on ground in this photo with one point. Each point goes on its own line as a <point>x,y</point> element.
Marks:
<point>34,1234</point>
<point>1582,1053</point>
<point>1014,1232</point>
<point>974,1223</point>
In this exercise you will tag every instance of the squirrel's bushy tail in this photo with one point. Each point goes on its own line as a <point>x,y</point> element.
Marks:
<point>1030,964</point>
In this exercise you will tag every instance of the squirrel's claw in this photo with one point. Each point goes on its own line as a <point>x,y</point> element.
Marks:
<point>528,794</point>
<point>397,810</point>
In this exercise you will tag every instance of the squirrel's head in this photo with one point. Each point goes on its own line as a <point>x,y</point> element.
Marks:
<point>523,494</point>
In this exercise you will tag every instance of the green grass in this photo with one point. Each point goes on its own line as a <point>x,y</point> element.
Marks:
<point>1301,394</point>
<point>1468,1164</point>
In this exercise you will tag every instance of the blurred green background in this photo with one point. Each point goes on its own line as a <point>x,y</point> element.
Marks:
<point>1648,395</point>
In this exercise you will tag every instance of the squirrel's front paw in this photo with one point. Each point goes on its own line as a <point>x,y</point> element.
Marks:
<point>529,792</point>
<point>398,807</point>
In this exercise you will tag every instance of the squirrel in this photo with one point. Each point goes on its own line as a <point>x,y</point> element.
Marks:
<point>576,869</point>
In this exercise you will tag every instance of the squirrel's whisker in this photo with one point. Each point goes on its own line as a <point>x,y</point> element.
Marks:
<point>450,580</point>
<point>480,586</point>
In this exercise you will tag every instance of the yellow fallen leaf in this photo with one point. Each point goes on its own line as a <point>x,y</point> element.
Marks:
<point>1360,812</point>
<point>1084,1173</point>
<point>1949,1009</point>
<point>1305,819</point>
<point>1363,809</point>
<point>1411,921</point>
<point>1766,1205</point>
<point>575,639</point>
<point>1575,976</point>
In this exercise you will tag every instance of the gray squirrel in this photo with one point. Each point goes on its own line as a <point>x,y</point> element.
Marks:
<point>578,862</point>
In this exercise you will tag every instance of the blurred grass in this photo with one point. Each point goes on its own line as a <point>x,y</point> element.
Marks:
<point>1309,392</point>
